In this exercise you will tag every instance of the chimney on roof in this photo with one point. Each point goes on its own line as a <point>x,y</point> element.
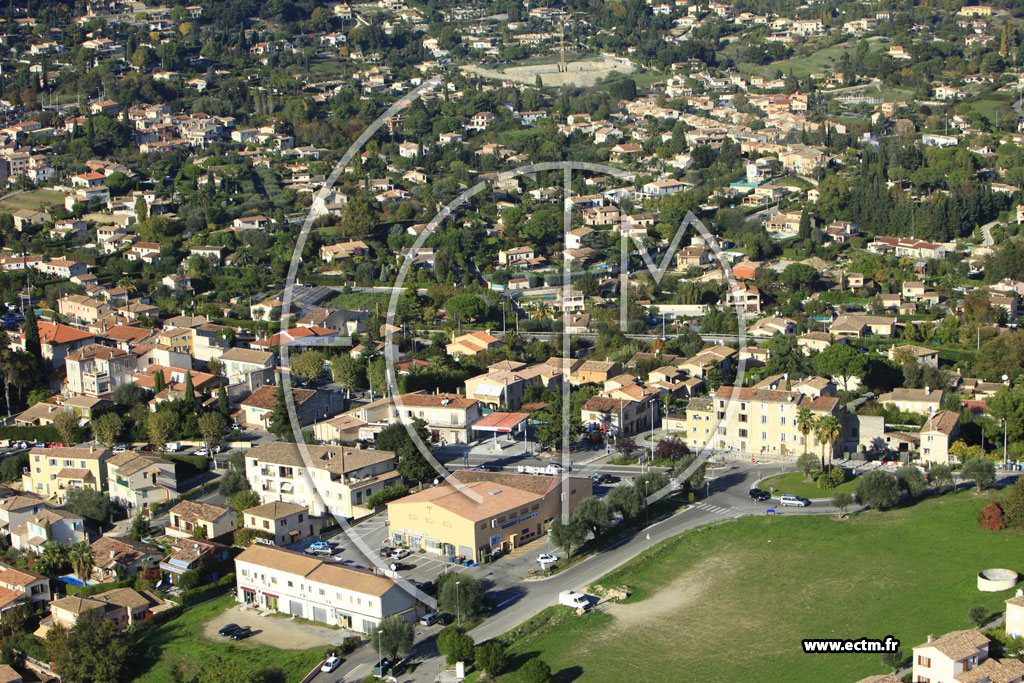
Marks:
<point>927,390</point>
<point>1020,592</point>
<point>930,637</point>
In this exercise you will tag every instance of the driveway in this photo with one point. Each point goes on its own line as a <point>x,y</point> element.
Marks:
<point>275,631</point>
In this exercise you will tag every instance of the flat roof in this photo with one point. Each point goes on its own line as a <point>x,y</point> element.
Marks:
<point>501,422</point>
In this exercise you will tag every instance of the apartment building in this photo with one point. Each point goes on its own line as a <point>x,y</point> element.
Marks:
<point>140,479</point>
<point>751,420</point>
<point>327,480</point>
<point>617,416</point>
<point>924,401</point>
<point>287,523</point>
<point>306,587</point>
<point>507,511</point>
<point>504,383</point>
<point>17,509</point>
<point>236,363</point>
<point>52,471</point>
<point>449,417</point>
<point>190,517</point>
<point>96,370</point>
<point>83,309</point>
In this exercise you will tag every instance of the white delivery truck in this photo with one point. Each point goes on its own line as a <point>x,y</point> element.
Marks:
<point>574,600</point>
<point>172,447</point>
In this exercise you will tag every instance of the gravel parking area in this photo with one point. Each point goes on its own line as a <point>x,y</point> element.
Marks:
<point>277,631</point>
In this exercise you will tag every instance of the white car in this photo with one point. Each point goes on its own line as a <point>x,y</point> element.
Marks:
<point>331,664</point>
<point>547,559</point>
<point>400,554</point>
<point>202,452</point>
<point>120,448</point>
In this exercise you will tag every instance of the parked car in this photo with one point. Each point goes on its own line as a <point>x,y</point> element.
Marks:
<point>400,553</point>
<point>241,634</point>
<point>237,428</point>
<point>758,494</point>
<point>430,619</point>
<point>608,479</point>
<point>399,566</point>
<point>320,548</point>
<point>574,600</point>
<point>794,501</point>
<point>148,448</point>
<point>547,559</point>
<point>228,629</point>
<point>446,618</point>
<point>331,664</point>
<point>202,452</point>
<point>119,448</point>
<point>55,444</point>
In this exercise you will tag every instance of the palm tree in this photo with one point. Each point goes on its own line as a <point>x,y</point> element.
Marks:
<point>805,423</point>
<point>127,284</point>
<point>81,559</point>
<point>828,430</point>
<point>541,310</point>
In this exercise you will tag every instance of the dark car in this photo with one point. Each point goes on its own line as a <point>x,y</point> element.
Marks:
<point>241,633</point>
<point>758,494</point>
<point>444,618</point>
<point>608,479</point>
<point>228,630</point>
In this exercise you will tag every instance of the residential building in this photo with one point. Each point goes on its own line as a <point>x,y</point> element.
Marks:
<point>921,401</point>
<point>139,480</point>
<point>311,405</point>
<point>617,416</point>
<point>116,556</point>
<point>210,560</point>
<point>449,417</point>
<point>191,519</point>
<point>96,370</point>
<point>487,512</point>
<point>122,606</point>
<point>52,471</point>
<point>471,344</point>
<point>50,525</point>
<point>17,509</point>
<point>751,420</point>
<point>22,586</point>
<point>57,341</point>
<point>504,383</point>
<point>327,592</point>
<point>326,480</point>
<point>937,434</point>
<point>863,326</point>
<point>286,523</point>
<point>947,658</point>
<point>236,363</point>
<point>83,309</point>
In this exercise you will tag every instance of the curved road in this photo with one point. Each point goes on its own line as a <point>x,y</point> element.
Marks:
<point>729,499</point>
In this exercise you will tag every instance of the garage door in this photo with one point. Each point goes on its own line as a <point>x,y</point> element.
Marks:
<point>295,608</point>
<point>320,614</point>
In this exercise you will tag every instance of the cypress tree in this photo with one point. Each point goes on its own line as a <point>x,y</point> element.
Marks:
<point>32,344</point>
<point>190,393</point>
<point>158,381</point>
<point>223,407</point>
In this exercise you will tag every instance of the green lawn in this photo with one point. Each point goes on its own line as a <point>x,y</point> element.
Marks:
<point>34,200</point>
<point>797,484</point>
<point>732,601</point>
<point>181,643</point>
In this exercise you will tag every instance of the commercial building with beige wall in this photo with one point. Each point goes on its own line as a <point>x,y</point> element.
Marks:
<point>491,511</point>
<point>752,420</point>
<point>293,583</point>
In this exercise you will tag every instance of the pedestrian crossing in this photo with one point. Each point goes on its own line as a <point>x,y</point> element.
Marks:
<point>729,511</point>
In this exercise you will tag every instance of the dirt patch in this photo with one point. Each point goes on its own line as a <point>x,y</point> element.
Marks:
<point>680,595</point>
<point>583,73</point>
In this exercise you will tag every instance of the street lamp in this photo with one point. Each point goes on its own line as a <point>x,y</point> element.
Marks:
<point>1005,378</point>
<point>380,650</point>
<point>647,516</point>
<point>458,607</point>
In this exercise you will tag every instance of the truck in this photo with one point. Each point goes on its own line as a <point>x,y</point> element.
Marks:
<point>574,600</point>
<point>172,447</point>
<point>550,468</point>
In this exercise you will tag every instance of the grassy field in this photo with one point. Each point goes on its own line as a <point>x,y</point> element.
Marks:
<point>821,61</point>
<point>179,643</point>
<point>732,601</point>
<point>797,484</point>
<point>33,200</point>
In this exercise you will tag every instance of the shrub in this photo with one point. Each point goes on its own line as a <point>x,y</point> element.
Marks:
<point>386,495</point>
<point>991,517</point>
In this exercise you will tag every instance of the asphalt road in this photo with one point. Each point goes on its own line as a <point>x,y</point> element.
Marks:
<point>518,599</point>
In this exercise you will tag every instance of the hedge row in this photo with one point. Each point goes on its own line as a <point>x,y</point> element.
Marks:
<point>86,591</point>
<point>209,591</point>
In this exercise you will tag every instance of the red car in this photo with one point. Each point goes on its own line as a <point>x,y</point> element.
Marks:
<point>148,448</point>
<point>56,444</point>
